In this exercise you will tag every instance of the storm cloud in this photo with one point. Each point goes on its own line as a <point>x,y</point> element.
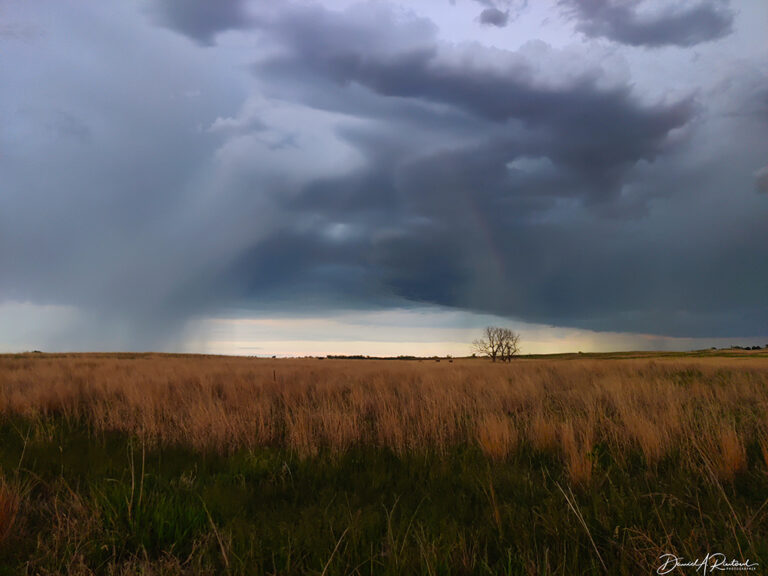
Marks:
<point>761,179</point>
<point>528,102</point>
<point>673,24</point>
<point>329,158</point>
<point>201,20</point>
<point>494,17</point>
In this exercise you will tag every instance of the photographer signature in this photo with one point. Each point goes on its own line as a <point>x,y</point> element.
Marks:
<point>708,564</point>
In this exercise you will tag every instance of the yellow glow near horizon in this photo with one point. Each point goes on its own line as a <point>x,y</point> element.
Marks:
<point>407,333</point>
<point>393,332</point>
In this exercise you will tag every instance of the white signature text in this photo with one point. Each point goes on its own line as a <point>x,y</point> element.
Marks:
<point>706,565</point>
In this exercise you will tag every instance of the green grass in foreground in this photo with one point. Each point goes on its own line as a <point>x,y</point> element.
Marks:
<point>107,505</point>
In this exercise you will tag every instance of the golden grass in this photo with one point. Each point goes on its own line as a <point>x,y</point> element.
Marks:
<point>10,500</point>
<point>656,406</point>
<point>729,455</point>
<point>764,450</point>
<point>577,447</point>
<point>496,436</point>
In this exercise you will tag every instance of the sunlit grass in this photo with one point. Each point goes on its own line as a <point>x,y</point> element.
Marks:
<point>174,465</point>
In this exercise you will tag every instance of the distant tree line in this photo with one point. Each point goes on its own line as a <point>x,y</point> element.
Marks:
<point>362,357</point>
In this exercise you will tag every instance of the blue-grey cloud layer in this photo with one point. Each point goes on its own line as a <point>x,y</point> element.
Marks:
<point>200,20</point>
<point>676,24</point>
<point>354,159</point>
<point>494,17</point>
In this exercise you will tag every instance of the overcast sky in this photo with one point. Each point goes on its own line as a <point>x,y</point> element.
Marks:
<point>312,177</point>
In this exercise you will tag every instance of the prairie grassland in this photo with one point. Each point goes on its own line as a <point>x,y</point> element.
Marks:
<point>661,454</point>
<point>715,405</point>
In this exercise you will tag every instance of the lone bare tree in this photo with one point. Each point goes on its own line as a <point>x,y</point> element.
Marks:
<point>498,343</point>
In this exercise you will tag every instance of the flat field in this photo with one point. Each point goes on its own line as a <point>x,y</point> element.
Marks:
<point>159,464</point>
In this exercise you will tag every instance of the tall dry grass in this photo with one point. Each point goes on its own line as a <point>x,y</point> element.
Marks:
<point>654,407</point>
<point>10,500</point>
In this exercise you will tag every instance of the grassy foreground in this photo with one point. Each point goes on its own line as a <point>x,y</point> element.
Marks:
<point>116,464</point>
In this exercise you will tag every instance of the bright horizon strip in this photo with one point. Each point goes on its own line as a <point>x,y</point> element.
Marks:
<point>420,332</point>
<point>426,331</point>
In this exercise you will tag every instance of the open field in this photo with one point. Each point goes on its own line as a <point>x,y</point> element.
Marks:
<point>185,464</point>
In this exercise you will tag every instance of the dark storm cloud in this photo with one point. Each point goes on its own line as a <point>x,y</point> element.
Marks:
<point>758,104</point>
<point>594,131</point>
<point>500,12</point>
<point>537,211</point>
<point>455,240</point>
<point>360,161</point>
<point>494,17</point>
<point>674,25</point>
<point>761,180</point>
<point>201,20</point>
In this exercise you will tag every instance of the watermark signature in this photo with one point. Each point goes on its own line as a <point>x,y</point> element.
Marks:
<point>708,564</point>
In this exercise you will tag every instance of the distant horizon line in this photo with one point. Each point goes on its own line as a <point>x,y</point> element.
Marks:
<point>267,356</point>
